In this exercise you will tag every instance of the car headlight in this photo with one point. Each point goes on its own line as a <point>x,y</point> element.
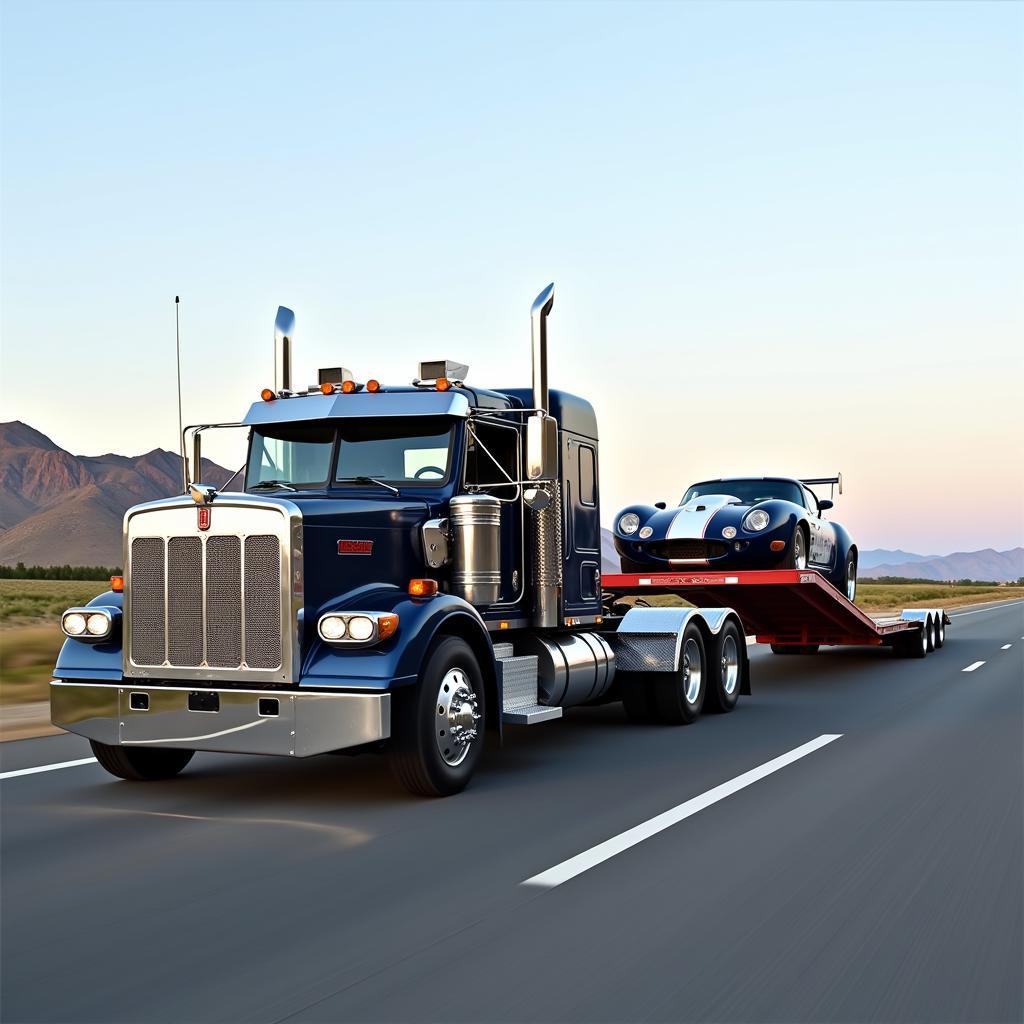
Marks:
<point>357,629</point>
<point>629,523</point>
<point>73,623</point>
<point>757,520</point>
<point>728,532</point>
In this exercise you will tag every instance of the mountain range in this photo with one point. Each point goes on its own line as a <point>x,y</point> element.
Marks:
<point>62,509</point>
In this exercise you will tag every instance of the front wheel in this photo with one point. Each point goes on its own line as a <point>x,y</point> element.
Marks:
<point>438,724</point>
<point>679,695</point>
<point>140,764</point>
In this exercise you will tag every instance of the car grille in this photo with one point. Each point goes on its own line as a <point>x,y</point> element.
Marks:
<point>687,549</point>
<point>233,622</point>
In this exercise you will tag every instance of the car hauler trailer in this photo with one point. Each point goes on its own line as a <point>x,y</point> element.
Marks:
<point>795,610</point>
<point>403,567</point>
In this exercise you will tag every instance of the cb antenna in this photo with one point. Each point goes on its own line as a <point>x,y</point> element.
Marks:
<point>181,427</point>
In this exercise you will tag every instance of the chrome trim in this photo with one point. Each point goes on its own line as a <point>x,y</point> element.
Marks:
<point>308,722</point>
<point>539,312</point>
<point>289,533</point>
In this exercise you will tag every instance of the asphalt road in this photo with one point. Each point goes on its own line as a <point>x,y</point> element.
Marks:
<point>879,877</point>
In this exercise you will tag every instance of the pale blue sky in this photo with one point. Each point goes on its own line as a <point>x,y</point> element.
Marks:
<point>785,237</point>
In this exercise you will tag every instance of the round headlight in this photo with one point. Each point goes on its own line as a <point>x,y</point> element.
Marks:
<point>332,627</point>
<point>97,624</point>
<point>645,532</point>
<point>756,520</point>
<point>728,532</point>
<point>74,624</point>
<point>360,627</point>
<point>629,523</point>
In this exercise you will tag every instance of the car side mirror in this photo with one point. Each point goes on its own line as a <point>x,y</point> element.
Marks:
<point>825,505</point>
<point>660,504</point>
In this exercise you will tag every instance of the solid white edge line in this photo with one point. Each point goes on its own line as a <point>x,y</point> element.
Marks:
<point>574,866</point>
<point>47,768</point>
<point>973,666</point>
<point>988,608</point>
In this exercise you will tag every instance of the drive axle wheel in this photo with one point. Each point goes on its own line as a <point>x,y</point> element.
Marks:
<point>725,668</point>
<point>679,695</point>
<point>438,724</point>
<point>140,764</point>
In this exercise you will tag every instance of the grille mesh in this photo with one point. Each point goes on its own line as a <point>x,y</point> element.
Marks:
<point>224,602</point>
<point>174,630</point>
<point>147,641</point>
<point>262,602</point>
<point>687,549</point>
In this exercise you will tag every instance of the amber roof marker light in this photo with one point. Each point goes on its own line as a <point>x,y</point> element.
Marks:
<point>443,384</point>
<point>373,386</point>
<point>327,388</point>
<point>267,395</point>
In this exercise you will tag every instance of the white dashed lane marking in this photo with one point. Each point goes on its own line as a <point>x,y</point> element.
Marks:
<point>976,665</point>
<point>1005,647</point>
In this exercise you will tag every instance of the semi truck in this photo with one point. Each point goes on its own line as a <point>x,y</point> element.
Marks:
<point>404,569</point>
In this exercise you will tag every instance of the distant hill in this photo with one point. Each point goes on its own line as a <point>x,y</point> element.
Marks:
<point>876,562</point>
<point>62,509</point>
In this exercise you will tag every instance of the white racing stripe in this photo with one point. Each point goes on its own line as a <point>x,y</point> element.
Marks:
<point>975,665</point>
<point>47,768</point>
<point>574,866</point>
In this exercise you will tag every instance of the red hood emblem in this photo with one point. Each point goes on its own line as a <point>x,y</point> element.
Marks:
<point>203,516</point>
<point>355,547</point>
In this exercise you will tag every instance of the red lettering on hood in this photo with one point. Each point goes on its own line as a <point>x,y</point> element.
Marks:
<point>355,547</point>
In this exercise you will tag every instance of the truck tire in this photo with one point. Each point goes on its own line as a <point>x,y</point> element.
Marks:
<point>725,669</point>
<point>438,724</point>
<point>141,764</point>
<point>637,691</point>
<point>679,695</point>
<point>795,648</point>
<point>912,644</point>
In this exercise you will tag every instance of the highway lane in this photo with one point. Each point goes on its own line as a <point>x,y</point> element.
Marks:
<point>877,878</point>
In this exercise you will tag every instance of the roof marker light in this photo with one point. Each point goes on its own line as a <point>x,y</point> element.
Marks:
<point>267,395</point>
<point>443,384</point>
<point>349,387</point>
<point>373,386</point>
<point>327,388</point>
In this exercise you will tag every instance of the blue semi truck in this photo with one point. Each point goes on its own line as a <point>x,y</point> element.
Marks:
<point>404,569</point>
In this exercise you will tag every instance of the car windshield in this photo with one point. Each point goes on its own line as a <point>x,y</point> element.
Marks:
<point>398,450</point>
<point>749,492</point>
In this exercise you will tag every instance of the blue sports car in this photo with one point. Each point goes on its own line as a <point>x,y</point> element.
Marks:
<point>741,523</point>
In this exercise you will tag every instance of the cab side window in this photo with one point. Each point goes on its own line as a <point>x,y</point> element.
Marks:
<point>588,481</point>
<point>490,446</point>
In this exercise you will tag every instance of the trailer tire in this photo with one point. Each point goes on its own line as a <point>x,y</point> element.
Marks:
<point>931,630</point>
<point>914,644</point>
<point>726,663</point>
<point>795,648</point>
<point>427,753</point>
<point>679,695</point>
<point>637,691</point>
<point>940,631</point>
<point>140,764</point>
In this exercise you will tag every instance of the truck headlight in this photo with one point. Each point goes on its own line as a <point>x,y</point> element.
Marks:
<point>357,629</point>
<point>756,521</point>
<point>98,624</point>
<point>91,623</point>
<point>629,523</point>
<point>73,623</point>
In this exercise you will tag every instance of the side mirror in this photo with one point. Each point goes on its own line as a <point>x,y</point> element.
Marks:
<point>536,498</point>
<point>824,505</point>
<point>541,447</point>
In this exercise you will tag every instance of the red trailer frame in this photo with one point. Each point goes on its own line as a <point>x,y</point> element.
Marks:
<point>786,607</point>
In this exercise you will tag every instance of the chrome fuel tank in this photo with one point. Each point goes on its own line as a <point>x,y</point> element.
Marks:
<point>572,668</point>
<point>474,522</point>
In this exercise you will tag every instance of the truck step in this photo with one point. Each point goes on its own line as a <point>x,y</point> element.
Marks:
<point>502,652</point>
<point>518,678</point>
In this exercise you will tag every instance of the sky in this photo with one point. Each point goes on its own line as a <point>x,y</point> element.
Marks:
<point>785,238</point>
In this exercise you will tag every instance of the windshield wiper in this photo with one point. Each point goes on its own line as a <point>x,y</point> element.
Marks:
<point>369,480</point>
<point>271,484</point>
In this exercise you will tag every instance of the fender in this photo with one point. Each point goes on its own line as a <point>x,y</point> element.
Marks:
<point>397,661</point>
<point>100,662</point>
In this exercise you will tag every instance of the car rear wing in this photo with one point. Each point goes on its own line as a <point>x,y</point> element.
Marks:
<point>832,480</point>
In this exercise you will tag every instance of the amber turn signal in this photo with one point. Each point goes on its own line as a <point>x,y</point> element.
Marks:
<point>443,384</point>
<point>267,395</point>
<point>422,588</point>
<point>373,386</point>
<point>117,584</point>
<point>777,545</point>
<point>387,625</point>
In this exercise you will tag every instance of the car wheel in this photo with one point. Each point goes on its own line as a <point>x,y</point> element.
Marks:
<point>850,578</point>
<point>797,558</point>
<point>725,669</point>
<point>140,764</point>
<point>438,732</point>
<point>679,695</point>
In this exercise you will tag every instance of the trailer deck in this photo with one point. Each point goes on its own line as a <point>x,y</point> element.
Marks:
<point>779,606</point>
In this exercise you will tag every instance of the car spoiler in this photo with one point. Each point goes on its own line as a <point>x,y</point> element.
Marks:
<point>833,480</point>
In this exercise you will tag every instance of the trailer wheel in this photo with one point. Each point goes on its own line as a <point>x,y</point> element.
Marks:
<point>940,631</point>
<point>438,735</point>
<point>912,644</point>
<point>679,695</point>
<point>795,648</point>
<point>930,632</point>
<point>725,669</point>
<point>140,764</point>
<point>637,691</point>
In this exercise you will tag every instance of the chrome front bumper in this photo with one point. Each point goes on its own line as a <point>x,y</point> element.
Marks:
<point>230,721</point>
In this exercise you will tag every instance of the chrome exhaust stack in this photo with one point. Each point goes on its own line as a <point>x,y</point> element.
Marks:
<point>539,313</point>
<point>284,332</point>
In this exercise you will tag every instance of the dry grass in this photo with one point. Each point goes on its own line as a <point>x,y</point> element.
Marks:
<point>35,601</point>
<point>893,597</point>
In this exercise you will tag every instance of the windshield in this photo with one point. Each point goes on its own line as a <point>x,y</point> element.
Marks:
<point>748,491</point>
<point>397,450</point>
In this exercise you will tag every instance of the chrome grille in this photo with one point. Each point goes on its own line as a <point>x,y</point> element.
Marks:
<point>240,624</point>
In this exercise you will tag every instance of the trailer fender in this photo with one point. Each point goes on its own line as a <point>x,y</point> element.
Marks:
<point>937,617</point>
<point>651,639</point>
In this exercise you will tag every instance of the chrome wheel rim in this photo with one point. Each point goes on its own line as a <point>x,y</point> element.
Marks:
<point>456,714</point>
<point>924,638</point>
<point>730,664</point>
<point>942,632</point>
<point>799,554</point>
<point>851,581</point>
<point>692,671</point>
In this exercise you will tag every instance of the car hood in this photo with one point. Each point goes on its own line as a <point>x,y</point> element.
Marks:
<point>692,519</point>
